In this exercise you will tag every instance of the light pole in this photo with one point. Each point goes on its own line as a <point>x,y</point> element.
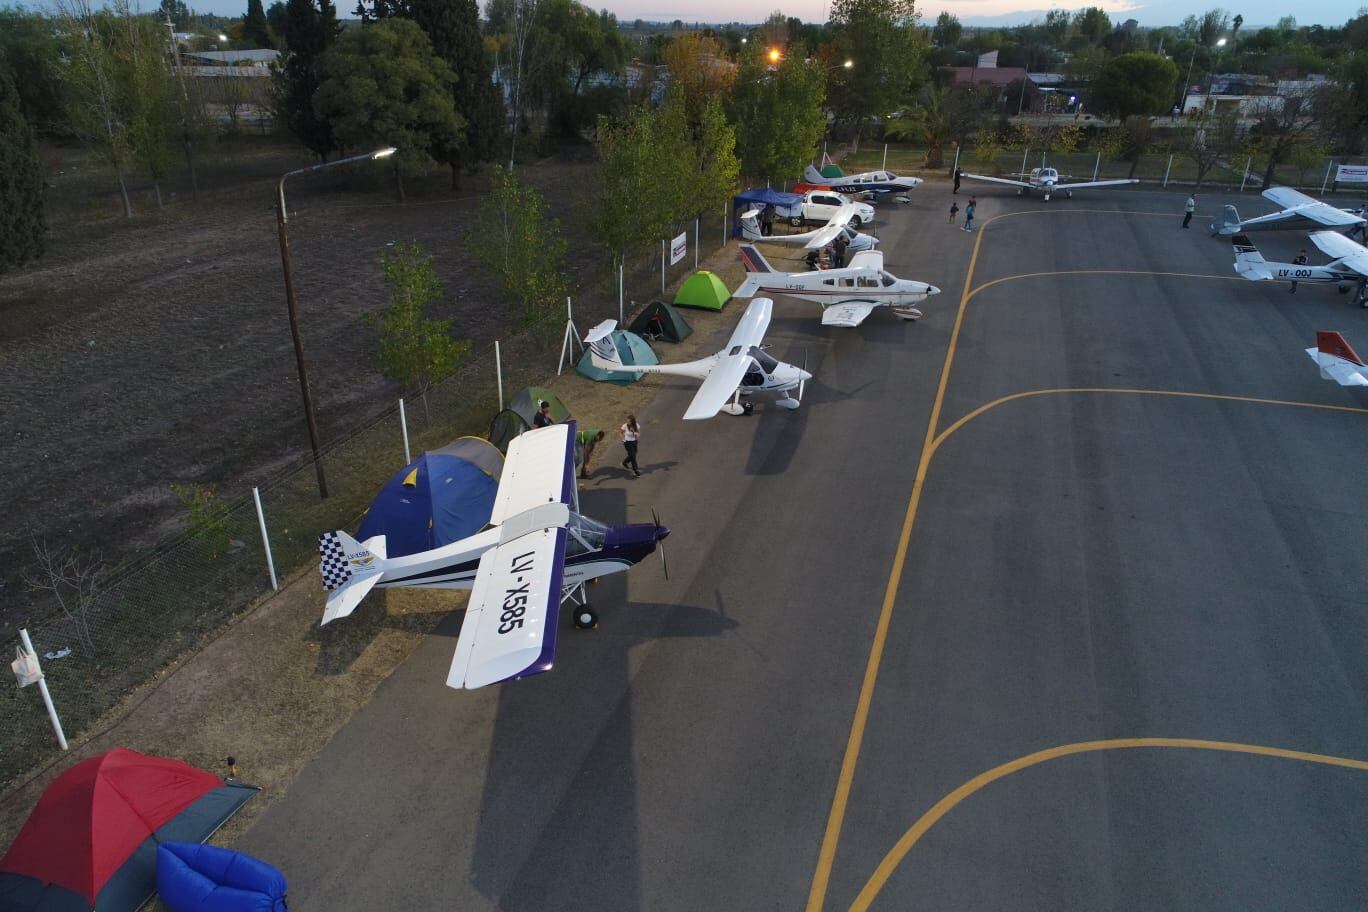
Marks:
<point>292,304</point>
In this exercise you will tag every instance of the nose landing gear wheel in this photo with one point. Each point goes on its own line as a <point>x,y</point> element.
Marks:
<point>586,618</point>
<point>748,407</point>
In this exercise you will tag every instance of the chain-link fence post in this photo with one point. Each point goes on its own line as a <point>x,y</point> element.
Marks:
<point>43,688</point>
<point>265,538</point>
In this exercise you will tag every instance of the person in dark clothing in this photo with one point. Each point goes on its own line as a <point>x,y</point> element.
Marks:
<point>1298,260</point>
<point>838,251</point>
<point>767,220</point>
<point>543,417</point>
<point>958,172</point>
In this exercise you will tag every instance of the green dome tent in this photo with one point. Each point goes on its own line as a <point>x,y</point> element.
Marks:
<point>632,349</point>
<point>832,171</point>
<point>703,290</point>
<point>517,415</point>
<point>661,321</point>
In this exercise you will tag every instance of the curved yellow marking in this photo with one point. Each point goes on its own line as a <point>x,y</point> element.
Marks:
<point>909,839</point>
<point>826,856</point>
<point>1137,272</point>
<point>940,438</point>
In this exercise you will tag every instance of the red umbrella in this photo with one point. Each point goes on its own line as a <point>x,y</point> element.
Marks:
<point>94,817</point>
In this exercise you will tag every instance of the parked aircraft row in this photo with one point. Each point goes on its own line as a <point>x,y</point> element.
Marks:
<point>1348,266</point>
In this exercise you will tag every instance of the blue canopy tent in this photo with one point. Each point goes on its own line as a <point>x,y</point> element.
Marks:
<point>785,204</point>
<point>442,496</point>
<point>205,878</point>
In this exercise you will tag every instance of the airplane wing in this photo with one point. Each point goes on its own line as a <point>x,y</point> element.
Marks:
<point>823,236</point>
<point>732,363</point>
<point>997,180</point>
<point>1084,185</point>
<point>1349,254</point>
<point>867,259</point>
<point>1296,203</point>
<point>847,313</point>
<point>510,623</point>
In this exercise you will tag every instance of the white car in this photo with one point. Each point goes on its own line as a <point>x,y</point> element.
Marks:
<point>821,205</point>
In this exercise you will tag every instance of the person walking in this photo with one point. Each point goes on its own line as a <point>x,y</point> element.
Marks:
<point>969,214</point>
<point>958,172</point>
<point>589,439</point>
<point>543,417</point>
<point>631,433</point>
<point>954,211</point>
<point>1188,208</point>
<point>1298,260</point>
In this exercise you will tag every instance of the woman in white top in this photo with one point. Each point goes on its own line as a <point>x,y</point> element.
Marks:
<point>631,433</point>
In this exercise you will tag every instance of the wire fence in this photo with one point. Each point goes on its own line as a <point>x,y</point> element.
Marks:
<point>167,602</point>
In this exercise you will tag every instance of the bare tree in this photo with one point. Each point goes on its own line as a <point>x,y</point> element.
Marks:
<point>524,11</point>
<point>74,582</point>
<point>1212,141</point>
<point>1283,126</point>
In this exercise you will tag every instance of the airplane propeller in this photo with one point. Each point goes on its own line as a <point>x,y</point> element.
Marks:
<point>660,542</point>
<point>801,382</point>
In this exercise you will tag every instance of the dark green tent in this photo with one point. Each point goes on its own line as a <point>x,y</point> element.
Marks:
<point>518,413</point>
<point>661,321</point>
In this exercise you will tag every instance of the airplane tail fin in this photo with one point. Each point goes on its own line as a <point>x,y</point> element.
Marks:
<point>350,570</point>
<point>1227,224</point>
<point>1249,263</point>
<point>812,176</point>
<point>756,268</point>
<point>750,225</point>
<point>1335,345</point>
<point>603,351</point>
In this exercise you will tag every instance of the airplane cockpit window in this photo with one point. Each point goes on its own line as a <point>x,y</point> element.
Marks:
<point>868,282</point>
<point>583,535</point>
<point>887,280</point>
<point>763,359</point>
<point>1048,173</point>
<point>828,281</point>
<point>847,283</point>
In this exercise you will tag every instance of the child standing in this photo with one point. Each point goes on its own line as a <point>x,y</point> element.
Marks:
<point>954,211</point>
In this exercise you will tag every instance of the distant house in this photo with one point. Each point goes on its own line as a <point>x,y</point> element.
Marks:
<point>987,71</point>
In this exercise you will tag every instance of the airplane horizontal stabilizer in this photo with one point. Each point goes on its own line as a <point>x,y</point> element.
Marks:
<point>349,569</point>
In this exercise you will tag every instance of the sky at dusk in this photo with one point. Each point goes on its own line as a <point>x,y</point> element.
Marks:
<point>984,12</point>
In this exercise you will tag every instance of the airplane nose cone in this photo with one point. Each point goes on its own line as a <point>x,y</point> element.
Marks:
<point>661,533</point>
<point>932,290</point>
<point>804,375</point>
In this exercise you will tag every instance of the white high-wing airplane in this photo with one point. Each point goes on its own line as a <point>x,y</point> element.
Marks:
<point>536,554</point>
<point>1337,360</point>
<point>1298,211</point>
<point>1047,180</point>
<point>1348,269</point>
<point>847,295</point>
<point>877,182</point>
<point>741,369</point>
<point>814,239</point>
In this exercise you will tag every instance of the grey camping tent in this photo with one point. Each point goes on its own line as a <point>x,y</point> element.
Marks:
<point>661,321</point>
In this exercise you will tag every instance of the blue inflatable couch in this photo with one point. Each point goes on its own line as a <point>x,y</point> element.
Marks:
<point>205,878</point>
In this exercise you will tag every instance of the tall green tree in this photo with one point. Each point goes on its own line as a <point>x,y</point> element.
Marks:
<point>33,56</point>
<point>150,100</point>
<point>1133,84</point>
<point>453,27</point>
<point>21,182</point>
<point>716,168</point>
<point>883,39</point>
<point>310,28</point>
<point>780,116</point>
<point>1092,23</point>
<point>415,351</point>
<point>382,86</point>
<point>521,245</point>
<point>947,30</point>
<point>255,29</point>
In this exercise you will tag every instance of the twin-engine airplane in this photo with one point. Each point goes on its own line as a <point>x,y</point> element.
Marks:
<point>536,554</point>
<point>1337,360</point>
<point>1348,269</point>
<point>874,182</point>
<point>742,369</point>
<point>814,239</point>
<point>847,295</point>
<point>1047,181</point>
<point>1299,211</point>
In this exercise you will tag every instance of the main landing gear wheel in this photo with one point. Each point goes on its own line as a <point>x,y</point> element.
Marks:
<point>1069,194</point>
<point>586,618</point>
<point>748,407</point>
<point>1020,191</point>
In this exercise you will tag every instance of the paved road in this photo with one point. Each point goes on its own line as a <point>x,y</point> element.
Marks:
<point>1083,566</point>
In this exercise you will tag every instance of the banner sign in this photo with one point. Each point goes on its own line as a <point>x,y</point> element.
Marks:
<point>678,247</point>
<point>1352,174</point>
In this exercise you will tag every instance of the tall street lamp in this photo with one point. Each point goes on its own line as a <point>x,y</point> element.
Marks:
<point>292,304</point>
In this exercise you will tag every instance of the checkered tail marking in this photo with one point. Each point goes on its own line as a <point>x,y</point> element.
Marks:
<point>333,561</point>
